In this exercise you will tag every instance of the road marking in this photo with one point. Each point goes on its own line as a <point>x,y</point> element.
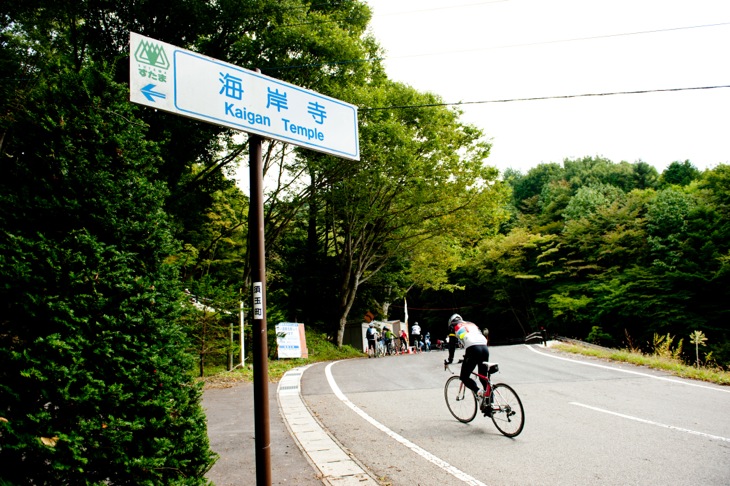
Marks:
<point>651,422</point>
<point>457,473</point>
<point>662,378</point>
<point>327,457</point>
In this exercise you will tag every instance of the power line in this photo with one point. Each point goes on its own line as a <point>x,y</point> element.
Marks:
<point>562,41</point>
<point>557,97</point>
<point>506,46</point>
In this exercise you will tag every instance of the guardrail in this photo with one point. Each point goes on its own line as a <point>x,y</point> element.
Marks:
<point>537,337</point>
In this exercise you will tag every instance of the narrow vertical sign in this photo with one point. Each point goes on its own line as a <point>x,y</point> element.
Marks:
<point>258,300</point>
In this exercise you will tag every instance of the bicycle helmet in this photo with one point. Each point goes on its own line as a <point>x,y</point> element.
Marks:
<point>454,319</point>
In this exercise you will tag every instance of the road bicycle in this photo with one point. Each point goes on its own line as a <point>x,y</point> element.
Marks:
<point>500,401</point>
<point>403,346</point>
<point>390,348</point>
<point>380,348</point>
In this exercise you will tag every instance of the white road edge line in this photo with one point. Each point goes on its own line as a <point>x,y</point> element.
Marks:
<point>650,422</point>
<point>324,454</point>
<point>457,473</point>
<point>672,380</point>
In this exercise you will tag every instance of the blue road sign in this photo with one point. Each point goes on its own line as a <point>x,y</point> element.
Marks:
<point>186,83</point>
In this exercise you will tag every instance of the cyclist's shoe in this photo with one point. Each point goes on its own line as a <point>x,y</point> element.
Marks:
<point>487,411</point>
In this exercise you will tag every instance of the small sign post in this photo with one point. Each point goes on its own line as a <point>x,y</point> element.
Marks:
<point>168,78</point>
<point>290,340</point>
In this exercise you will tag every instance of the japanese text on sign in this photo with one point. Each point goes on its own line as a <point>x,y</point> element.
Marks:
<point>187,83</point>
<point>258,300</point>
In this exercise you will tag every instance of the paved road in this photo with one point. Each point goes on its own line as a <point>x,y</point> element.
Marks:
<point>587,422</point>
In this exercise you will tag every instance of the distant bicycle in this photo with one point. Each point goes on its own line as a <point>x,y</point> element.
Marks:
<point>379,348</point>
<point>500,402</point>
<point>403,346</point>
<point>390,348</point>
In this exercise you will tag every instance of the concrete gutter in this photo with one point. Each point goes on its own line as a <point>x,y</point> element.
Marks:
<point>335,465</point>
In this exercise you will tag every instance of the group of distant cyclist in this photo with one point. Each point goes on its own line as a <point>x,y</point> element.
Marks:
<point>463,394</point>
<point>384,342</point>
<point>461,333</point>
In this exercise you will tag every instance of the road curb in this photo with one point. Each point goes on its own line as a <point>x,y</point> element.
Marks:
<point>326,456</point>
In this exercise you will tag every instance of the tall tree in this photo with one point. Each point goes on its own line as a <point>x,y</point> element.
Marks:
<point>421,174</point>
<point>680,173</point>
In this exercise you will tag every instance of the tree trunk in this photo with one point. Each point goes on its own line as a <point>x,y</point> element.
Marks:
<point>348,298</point>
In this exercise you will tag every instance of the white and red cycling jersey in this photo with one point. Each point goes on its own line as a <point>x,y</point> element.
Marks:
<point>469,334</point>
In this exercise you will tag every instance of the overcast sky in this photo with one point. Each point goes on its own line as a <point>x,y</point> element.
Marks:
<point>474,51</point>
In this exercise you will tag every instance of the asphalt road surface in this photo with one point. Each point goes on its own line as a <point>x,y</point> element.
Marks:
<point>587,422</point>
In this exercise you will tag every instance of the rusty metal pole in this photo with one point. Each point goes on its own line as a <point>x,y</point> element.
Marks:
<point>260,344</point>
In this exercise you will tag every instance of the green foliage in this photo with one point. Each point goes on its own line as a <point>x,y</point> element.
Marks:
<point>599,336</point>
<point>588,200</point>
<point>208,316</point>
<point>645,176</point>
<point>623,256</point>
<point>531,185</point>
<point>662,346</point>
<point>94,383</point>
<point>667,220</point>
<point>421,185</point>
<point>680,173</point>
<point>698,339</point>
<point>567,307</point>
<point>321,347</point>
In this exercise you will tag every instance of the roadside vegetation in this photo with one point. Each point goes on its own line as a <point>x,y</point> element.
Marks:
<point>320,348</point>
<point>661,357</point>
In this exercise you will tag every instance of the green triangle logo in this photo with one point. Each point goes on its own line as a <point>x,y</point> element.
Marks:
<point>152,54</point>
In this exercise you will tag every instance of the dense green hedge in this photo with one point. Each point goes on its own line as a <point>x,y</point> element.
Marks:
<point>95,384</point>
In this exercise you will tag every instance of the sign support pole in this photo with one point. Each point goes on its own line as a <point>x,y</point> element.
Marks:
<point>169,78</point>
<point>260,344</point>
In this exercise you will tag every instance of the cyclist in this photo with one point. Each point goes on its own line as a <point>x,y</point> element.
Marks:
<point>476,352</point>
<point>403,341</point>
<point>388,340</point>
<point>416,337</point>
<point>371,335</point>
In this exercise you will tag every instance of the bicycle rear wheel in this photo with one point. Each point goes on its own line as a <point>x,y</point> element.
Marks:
<point>461,401</point>
<point>507,412</point>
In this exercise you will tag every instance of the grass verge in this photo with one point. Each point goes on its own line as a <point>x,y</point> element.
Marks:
<point>319,346</point>
<point>673,366</point>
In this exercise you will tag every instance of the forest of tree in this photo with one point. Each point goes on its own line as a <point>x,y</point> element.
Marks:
<point>614,253</point>
<point>112,214</point>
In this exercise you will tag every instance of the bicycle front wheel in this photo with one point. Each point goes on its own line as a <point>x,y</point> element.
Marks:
<point>461,401</point>
<point>507,412</point>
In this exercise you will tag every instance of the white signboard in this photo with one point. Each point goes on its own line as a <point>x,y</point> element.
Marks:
<point>258,300</point>
<point>172,79</point>
<point>288,340</point>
